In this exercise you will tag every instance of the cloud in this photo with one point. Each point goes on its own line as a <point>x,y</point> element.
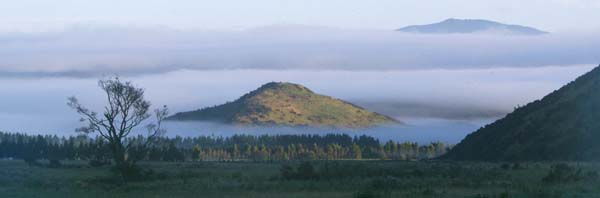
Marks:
<point>85,51</point>
<point>423,109</point>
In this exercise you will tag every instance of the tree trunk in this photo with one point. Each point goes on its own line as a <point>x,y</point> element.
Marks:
<point>124,166</point>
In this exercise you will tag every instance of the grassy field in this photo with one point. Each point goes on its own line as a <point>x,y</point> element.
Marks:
<point>329,179</point>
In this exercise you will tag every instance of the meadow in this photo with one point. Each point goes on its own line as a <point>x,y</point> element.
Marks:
<point>344,178</point>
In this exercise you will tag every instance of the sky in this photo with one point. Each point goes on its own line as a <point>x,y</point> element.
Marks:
<point>41,15</point>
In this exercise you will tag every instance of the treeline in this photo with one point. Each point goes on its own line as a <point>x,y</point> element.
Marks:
<point>209,148</point>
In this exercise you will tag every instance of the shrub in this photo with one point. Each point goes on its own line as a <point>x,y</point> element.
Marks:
<point>134,173</point>
<point>516,166</point>
<point>384,184</point>
<point>369,194</point>
<point>287,172</point>
<point>98,163</point>
<point>592,175</point>
<point>305,171</point>
<point>54,163</point>
<point>561,173</point>
<point>32,162</point>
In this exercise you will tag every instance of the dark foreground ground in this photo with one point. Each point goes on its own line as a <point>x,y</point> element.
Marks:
<point>326,179</point>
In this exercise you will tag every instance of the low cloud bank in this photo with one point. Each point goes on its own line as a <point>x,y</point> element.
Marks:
<point>460,94</point>
<point>94,51</point>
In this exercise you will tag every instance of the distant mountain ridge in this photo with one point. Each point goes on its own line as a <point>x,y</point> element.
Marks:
<point>463,26</point>
<point>563,126</point>
<point>287,104</point>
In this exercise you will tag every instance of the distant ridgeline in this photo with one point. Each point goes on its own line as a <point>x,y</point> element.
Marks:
<point>208,148</point>
<point>289,105</point>
<point>564,125</point>
<point>462,26</point>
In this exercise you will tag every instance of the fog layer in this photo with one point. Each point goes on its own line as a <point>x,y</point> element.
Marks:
<point>93,50</point>
<point>435,104</point>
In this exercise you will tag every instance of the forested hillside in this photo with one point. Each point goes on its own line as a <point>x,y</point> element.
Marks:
<point>564,125</point>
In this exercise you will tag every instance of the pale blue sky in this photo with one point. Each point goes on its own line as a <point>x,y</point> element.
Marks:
<point>41,15</point>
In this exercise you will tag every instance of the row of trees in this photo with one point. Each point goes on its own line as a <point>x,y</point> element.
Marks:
<point>207,148</point>
<point>127,109</point>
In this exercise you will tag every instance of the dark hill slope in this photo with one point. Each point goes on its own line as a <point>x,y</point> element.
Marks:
<point>564,125</point>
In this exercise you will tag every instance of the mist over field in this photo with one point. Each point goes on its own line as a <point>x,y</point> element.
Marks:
<point>456,103</point>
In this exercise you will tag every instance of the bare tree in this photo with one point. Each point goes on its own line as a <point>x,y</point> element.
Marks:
<point>126,110</point>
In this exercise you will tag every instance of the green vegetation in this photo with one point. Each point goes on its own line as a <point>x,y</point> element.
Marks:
<point>264,148</point>
<point>287,104</point>
<point>562,126</point>
<point>301,179</point>
<point>126,109</point>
